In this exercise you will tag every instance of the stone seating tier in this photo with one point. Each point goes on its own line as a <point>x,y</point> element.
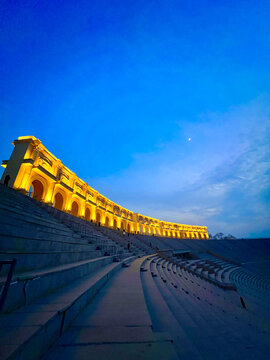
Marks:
<point>27,333</point>
<point>192,304</point>
<point>190,316</point>
<point>85,229</point>
<point>238,250</point>
<point>31,285</point>
<point>37,241</point>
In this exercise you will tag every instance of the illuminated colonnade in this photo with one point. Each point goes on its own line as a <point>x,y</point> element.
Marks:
<point>32,168</point>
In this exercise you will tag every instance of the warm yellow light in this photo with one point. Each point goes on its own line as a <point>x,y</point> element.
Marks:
<point>27,137</point>
<point>44,167</point>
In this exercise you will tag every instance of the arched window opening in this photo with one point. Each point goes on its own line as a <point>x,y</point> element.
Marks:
<point>74,209</point>
<point>98,217</point>
<point>58,201</point>
<point>87,214</point>
<point>115,224</point>
<point>6,181</point>
<point>107,221</point>
<point>37,190</point>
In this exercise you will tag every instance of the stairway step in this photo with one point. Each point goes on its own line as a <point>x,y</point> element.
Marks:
<point>28,332</point>
<point>28,261</point>
<point>28,286</point>
<point>29,218</point>
<point>27,244</point>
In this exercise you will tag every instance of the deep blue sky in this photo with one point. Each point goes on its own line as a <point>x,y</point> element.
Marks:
<point>115,89</point>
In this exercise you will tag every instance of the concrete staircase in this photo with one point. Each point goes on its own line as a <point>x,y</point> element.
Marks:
<point>58,271</point>
<point>116,325</point>
<point>65,303</point>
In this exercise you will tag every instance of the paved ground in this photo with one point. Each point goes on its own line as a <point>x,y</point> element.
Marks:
<point>116,325</point>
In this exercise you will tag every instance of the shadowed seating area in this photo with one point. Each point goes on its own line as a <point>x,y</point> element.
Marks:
<point>80,290</point>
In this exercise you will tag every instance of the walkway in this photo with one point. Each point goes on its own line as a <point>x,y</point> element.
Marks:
<point>116,325</point>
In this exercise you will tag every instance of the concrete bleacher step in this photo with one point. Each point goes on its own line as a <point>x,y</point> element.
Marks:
<point>27,261</point>
<point>121,240</point>
<point>209,316</point>
<point>223,274</point>
<point>86,230</point>
<point>116,325</point>
<point>22,230</point>
<point>27,222</point>
<point>206,271</point>
<point>25,244</point>
<point>228,300</point>
<point>18,202</point>
<point>91,231</point>
<point>164,319</point>
<point>28,332</point>
<point>27,210</point>
<point>28,286</point>
<point>40,226</point>
<point>29,217</point>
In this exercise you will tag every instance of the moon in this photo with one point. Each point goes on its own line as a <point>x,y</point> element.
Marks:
<point>189,139</point>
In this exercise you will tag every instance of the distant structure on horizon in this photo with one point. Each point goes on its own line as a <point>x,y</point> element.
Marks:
<point>33,170</point>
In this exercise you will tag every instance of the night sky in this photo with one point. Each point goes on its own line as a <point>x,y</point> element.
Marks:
<point>162,106</point>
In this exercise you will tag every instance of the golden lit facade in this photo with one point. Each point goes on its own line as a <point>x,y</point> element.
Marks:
<point>32,169</point>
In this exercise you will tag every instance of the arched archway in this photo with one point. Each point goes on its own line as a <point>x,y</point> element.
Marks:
<point>6,181</point>
<point>115,224</point>
<point>58,201</point>
<point>128,228</point>
<point>38,190</point>
<point>107,221</point>
<point>74,208</point>
<point>166,234</point>
<point>98,217</point>
<point>87,214</point>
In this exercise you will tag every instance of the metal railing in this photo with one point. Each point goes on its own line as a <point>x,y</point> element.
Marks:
<point>5,288</point>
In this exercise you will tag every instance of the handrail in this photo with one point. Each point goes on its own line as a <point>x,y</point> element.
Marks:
<point>12,264</point>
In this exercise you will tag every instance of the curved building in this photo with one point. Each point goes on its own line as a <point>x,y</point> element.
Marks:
<point>33,170</point>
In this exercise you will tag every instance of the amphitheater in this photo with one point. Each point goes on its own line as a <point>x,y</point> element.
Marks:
<point>84,278</point>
